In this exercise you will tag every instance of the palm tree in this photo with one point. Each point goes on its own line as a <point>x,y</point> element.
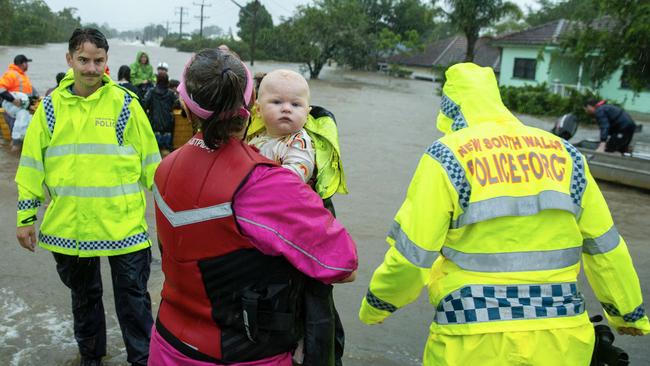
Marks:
<point>470,16</point>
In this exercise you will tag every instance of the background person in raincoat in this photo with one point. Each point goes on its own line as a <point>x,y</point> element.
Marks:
<point>142,75</point>
<point>495,223</point>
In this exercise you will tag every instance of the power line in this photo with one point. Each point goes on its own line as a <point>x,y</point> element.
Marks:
<point>181,11</point>
<point>202,5</point>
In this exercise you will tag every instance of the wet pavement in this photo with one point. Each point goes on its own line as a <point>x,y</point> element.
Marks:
<point>385,125</point>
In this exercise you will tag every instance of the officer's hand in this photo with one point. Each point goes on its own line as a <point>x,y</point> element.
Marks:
<point>630,331</point>
<point>17,102</point>
<point>26,237</point>
<point>349,278</point>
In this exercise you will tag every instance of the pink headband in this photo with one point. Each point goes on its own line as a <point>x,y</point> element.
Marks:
<point>204,113</point>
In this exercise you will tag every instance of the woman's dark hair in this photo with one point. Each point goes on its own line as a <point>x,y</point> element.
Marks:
<point>124,73</point>
<point>215,79</point>
<point>591,101</point>
<point>83,35</point>
<point>162,79</point>
<point>59,77</point>
<point>173,83</point>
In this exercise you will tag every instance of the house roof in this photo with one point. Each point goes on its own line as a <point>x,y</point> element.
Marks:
<point>551,32</point>
<point>450,51</point>
<point>542,34</point>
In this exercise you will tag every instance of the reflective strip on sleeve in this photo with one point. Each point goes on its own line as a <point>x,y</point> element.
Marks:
<point>455,171</point>
<point>631,317</point>
<point>452,110</point>
<point>378,303</point>
<point>602,244</point>
<point>73,191</point>
<point>123,119</point>
<point>412,252</point>
<point>179,218</point>
<point>578,176</point>
<point>152,158</point>
<point>516,206</point>
<point>88,149</point>
<point>49,113</point>
<point>514,261</point>
<point>28,204</point>
<point>30,162</point>
<point>484,303</point>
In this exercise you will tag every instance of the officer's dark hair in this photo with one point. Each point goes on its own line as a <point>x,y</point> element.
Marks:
<point>83,35</point>
<point>124,73</point>
<point>591,102</point>
<point>215,79</point>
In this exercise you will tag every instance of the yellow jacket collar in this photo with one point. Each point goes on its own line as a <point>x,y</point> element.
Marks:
<point>470,96</point>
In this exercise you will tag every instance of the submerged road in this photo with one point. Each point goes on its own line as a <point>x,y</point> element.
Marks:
<point>385,125</point>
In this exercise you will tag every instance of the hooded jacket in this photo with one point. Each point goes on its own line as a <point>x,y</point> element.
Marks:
<point>496,222</point>
<point>140,72</point>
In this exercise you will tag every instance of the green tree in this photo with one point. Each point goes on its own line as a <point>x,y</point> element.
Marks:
<point>253,13</point>
<point>471,16</point>
<point>328,29</point>
<point>619,38</point>
<point>7,20</point>
<point>567,9</point>
<point>412,15</point>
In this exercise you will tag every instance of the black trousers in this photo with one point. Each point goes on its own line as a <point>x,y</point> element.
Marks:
<point>129,274</point>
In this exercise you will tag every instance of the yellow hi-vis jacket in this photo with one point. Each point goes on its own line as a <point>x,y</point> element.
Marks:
<point>94,156</point>
<point>495,223</point>
<point>321,128</point>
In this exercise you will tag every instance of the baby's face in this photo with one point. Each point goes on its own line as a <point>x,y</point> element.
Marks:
<point>283,105</point>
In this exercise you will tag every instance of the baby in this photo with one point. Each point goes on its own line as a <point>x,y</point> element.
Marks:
<point>283,105</point>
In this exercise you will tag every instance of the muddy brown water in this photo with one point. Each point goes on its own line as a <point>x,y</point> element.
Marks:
<point>385,125</point>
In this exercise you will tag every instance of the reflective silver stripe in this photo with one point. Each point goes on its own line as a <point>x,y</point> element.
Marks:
<point>411,251</point>
<point>602,244</point>
<point>293,245</point>
<point>514,261</point>
<point>179,218</point>
<point>96,191</point>
<point>90,149</point>
<point>151,159</point>
<point>516,206</point>
<point>20,80</point>
<point>30,162</point>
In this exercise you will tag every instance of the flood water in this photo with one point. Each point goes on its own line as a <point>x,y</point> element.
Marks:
<point>384,125</point>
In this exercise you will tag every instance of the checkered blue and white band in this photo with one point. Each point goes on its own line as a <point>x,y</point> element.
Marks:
<point>634,315</point>
<point>484,303</point>
<point>94,245</point>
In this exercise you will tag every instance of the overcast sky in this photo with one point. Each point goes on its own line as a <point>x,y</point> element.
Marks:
<point>135,14</point>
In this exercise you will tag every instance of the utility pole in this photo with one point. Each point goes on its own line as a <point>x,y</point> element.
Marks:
<point>182,11</point>
<point>254,15</point>
<point>167,29</point>
<point>202,4</point>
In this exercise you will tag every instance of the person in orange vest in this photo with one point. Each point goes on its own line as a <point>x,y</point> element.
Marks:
<point>15,80</point>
